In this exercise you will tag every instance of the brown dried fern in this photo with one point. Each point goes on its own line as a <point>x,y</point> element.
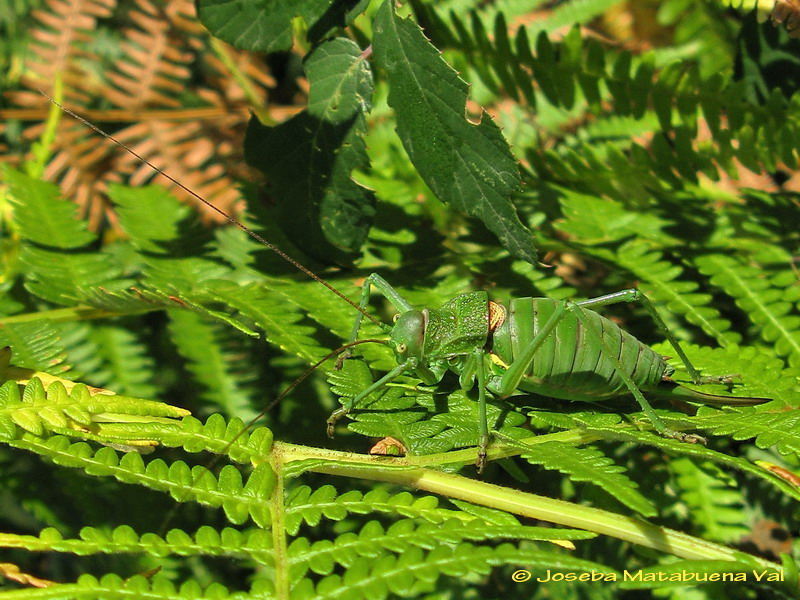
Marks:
<point>62,47</point>
<point>166,65</point>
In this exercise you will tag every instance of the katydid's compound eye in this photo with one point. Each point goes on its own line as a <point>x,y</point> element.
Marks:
<point>394,318</point>
<point>401,348</point>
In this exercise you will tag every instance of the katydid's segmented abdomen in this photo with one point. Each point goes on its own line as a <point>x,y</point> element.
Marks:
<point>571,364</point>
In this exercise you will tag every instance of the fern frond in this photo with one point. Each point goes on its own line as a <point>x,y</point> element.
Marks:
<point>679,295</point>
<point>255,544</point>
<point>216,360</point>
<point>756,374</point>
<point>221,437</point>
<point>589,464</point>
<point>36,345</point>
<point>43,216</point>
<point>573,13</point>
<point>768,429</point>
<point>373,540</point>
<point>153,219</point>
<point>764,299</point>
<point>176,145</point>
<point>697,451</point>
<point>114,587</point>
<point>417,572</point>
<point>333,315</point>
<point>677,95</point>
<point>49,222</point>
<point>54,409</point>
<point>154,69</point>
<point>283,322</point>
<point>239,499</point>
<point>153,65</point>
<point>305,505</point>
<point>596,223</point>
<point>125,364</point>
<point>53,275</point>
<point>61,41</point>
<point>119,302</point>
<point>714,500</point>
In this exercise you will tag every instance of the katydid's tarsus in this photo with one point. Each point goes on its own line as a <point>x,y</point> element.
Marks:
<point>561,349</point>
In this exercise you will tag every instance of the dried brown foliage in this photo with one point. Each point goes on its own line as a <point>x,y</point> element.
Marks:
<point>170,92</point>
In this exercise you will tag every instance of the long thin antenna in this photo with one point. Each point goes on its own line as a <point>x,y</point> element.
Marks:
<point>308,372</point>
<point>299,266</point>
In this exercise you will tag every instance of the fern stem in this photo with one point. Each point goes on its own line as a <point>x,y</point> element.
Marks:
<point>222,51</point>
<point>634,530</point>
<point>42,149</point>
<point>76,313</point>
<point>278,511</point>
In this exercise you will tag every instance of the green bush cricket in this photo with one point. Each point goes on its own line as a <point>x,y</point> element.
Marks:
<point>561,349</point>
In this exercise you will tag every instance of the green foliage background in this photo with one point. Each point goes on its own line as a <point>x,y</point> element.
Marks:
<point>595,169</point>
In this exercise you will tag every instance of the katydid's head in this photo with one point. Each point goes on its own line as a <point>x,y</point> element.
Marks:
<point>408,334</point>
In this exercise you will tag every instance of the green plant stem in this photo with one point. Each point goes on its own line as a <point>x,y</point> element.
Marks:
<point>222,52</point>
<point>631,529</point>
<point>42,149</point>
<point>67,315</point>
<point>278,512</point>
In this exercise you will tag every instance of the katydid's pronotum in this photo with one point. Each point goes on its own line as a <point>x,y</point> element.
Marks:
<point>561,349</point>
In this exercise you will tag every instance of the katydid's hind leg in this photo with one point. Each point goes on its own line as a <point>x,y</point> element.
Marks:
<point>523,361</point>
<point>634,295</point>
<point>659,425</point>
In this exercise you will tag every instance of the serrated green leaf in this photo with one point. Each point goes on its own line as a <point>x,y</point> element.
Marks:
<point>266,25</point>
<point>309,159</point>
<point>469,166</point>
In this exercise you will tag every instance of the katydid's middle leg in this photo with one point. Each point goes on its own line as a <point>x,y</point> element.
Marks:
<point>483,423</point>
<point>634,295</point>
<point>474,370</point>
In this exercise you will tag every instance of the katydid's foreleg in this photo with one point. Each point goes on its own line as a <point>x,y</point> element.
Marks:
<point>386,290</point>
<point>627,380</point>
<point>634,295</point>
<point>393,374</point>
